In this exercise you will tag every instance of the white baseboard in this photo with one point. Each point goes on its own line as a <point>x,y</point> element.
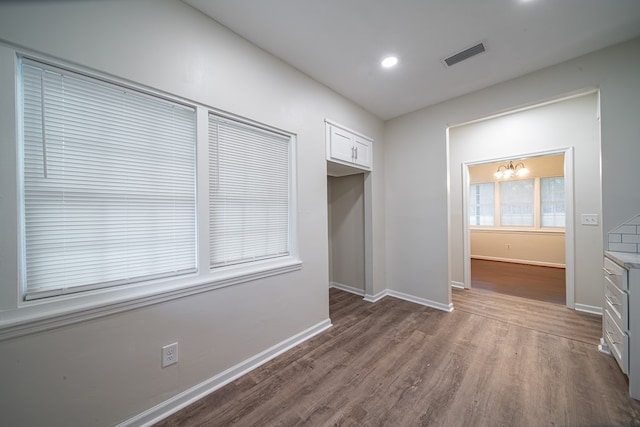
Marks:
<point>591,309</point>
<point>347,288</point>
<point>603,347</point>
<point>519,261</point>
<point>187,397</point>
<point>377,297</point>
<point>400,295</point>
<point>421,301</point>
<point>457,285</point>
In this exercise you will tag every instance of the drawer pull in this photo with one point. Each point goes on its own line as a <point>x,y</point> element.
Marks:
<point>609,272</point>
<point>610,301</point>
<point>610,335</point>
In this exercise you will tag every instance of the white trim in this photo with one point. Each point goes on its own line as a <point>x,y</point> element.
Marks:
<point>336,124</point>
<point>457,285</point>
<point>40,319</point>
<point>603,347</point>
<point>377,297</point>
<point>520,261</point>
<point>422,301</point>
<point>347,288</point>
<point>535,104</point>
<point>406,297</point>
<point>591,309</point>
<point>187,397</point>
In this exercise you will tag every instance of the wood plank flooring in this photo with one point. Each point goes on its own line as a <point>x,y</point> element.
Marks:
<point>521,280</point>
<point>395,363</point>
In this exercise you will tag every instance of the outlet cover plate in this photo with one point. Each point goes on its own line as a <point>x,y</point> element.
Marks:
<point>589,219</point>
<point>169,354</point>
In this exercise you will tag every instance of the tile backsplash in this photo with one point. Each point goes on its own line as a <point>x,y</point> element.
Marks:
<point>626,238</point>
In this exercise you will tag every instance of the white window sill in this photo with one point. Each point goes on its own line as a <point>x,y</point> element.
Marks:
<point>45,314</point>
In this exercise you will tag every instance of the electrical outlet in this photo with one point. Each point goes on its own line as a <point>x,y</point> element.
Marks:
<point>169,354</point>
<point>589,219</point>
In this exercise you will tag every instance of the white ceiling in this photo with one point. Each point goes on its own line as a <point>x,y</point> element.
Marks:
<point>340,43</point>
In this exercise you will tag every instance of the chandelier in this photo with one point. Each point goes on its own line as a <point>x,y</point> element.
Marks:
<point>510,170</point>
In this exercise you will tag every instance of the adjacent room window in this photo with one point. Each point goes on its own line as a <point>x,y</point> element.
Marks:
<point>552,209</point>
<point>108,184</point>
<point>481,204</point>
<point>517,203</point>
<point>249,174</point>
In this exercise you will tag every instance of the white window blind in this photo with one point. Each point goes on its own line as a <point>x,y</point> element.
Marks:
<point>249,192</point>
<point>552,202</point>
<point>109,184</point>
<point>481,204</point>
<point>517,203</point>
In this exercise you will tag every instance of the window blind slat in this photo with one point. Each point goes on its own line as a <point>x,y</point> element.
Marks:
<point>117,201</point>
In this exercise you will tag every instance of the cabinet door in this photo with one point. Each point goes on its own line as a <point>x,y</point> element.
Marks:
<point>341,145</point>
<point>362,152</point>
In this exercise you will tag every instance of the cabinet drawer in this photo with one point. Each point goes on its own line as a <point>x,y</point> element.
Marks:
<point>617,340</point>
<point>617,303</point>
<point>615,273</point>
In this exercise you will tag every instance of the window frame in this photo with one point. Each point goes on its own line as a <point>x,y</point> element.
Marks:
<point>20,317</point>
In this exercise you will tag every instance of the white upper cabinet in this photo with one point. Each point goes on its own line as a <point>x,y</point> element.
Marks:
<point>348,148</point>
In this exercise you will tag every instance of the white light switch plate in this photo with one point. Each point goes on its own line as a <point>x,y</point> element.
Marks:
<point>589,219</point>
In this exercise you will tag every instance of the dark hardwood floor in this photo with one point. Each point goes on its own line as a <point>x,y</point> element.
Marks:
<point>521,280</point>
<point>395,363</point>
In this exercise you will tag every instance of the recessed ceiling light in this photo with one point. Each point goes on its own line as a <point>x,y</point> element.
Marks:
<point>389,61</point>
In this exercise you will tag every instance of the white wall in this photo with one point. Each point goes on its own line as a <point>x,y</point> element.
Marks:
<point>416,157</point>
<point>346,229</point>
<point>105,370</point>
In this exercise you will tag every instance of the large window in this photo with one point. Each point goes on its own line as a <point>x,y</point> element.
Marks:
<point>110,196</point>
<point>517,203</point>
<point>481,204</point>
<point>109,184</point>
<point>526,203</point>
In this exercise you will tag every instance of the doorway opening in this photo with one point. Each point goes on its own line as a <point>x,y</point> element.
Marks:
<point>516,227</point>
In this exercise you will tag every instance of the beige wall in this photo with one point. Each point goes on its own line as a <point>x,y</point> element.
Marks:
<point>526,247</point>
<point>346,238</point>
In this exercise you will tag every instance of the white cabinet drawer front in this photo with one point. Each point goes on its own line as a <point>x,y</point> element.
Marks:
<point>616,274</point>
<point>617,302</point>
<point>617,340</point>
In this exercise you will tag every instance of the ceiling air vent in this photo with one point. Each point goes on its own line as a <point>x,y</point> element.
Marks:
<point>465,54</point>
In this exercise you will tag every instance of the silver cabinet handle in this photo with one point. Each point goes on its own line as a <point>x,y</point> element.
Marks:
<point>610,300</point>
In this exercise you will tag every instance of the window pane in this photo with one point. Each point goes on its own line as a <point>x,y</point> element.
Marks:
<point>109,184</point>
<point>516,203</point>
<point>552,208</point>
<point>249,193</point>
<point>481,204</point>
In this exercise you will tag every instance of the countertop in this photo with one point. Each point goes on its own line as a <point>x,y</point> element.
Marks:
<point>626,260</point>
